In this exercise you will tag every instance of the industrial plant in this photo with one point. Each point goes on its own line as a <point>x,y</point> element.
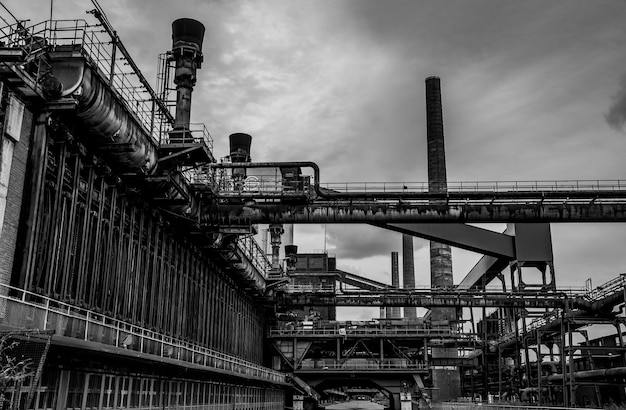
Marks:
<point>140,269</point>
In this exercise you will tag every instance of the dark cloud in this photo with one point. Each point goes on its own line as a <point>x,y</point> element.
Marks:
<point>616,116</point>
<point>364,241</point>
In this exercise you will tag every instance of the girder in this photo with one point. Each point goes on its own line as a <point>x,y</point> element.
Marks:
<point>458,211</point>
<point>429,299</point>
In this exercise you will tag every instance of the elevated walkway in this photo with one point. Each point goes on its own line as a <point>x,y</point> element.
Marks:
<point>383,203</point>
<point>432,298</point>
<point>78,328</point>
<point>384,366</point>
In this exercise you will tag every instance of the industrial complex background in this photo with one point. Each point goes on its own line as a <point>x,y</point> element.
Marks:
<point>131,276</point>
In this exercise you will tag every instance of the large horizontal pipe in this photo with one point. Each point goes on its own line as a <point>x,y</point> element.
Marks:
<point>111,127</point>
<point>246,272</point>
<point>439,300</point>
<point>400,211</point>
<point>615,372</point>
<point>539,194</point>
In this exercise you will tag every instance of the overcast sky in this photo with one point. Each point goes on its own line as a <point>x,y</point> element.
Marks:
<point>532,90</point>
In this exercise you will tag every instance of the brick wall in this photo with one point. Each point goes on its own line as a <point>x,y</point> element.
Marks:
<point>15,196</point>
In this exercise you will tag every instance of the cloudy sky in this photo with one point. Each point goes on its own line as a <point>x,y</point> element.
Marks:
<point>532,90</point>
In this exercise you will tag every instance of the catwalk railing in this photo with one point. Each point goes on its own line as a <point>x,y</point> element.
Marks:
<point>570,291</point>
<point>352,364</point>
<point>614,285</point>
<point>271,183</point>
<point>483,186</point>
<point>364,331</point>
<point>22,309</point>
<point>609,288</point>
<point>252,250</point>
<point>106,53</point>
<point>494,406</point>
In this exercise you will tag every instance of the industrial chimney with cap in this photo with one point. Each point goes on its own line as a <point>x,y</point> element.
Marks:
<point>187,36</point>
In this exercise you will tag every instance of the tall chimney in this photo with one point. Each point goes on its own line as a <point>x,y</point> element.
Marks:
<point>440,255</point>
<point>187,36</point>
<point>394,312</point>
<point>240,144</point>
<point>408,271</point>
<point>448,381</point>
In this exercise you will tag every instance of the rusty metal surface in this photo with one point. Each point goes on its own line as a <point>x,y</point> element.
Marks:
<point>429,299</point>
<point>366,212</point>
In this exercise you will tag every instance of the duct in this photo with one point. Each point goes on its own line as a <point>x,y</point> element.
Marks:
<point>604,305</point>
<point>245,270</point>
<point>400,211</point>
<point>107,120</point>
<point>615,372</point>
<point>419,195</point>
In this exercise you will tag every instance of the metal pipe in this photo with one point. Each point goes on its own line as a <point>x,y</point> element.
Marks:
<point>591,374</point>
<point>99,14</point>
<point>430,195</point>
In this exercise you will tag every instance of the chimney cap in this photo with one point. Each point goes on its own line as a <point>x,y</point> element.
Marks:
<point>188,32</point>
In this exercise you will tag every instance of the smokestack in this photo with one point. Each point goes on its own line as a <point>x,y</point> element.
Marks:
<point>239,152</point>
<point>394,312</point>
<point>240,144</point>
<point>187,36</point>
<point>448,381</point>
<point>408,271</point>
<point>437,180</point>
<point>440,254</point>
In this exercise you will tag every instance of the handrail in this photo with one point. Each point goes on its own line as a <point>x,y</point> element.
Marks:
<point>44,313</point>
<point>351,364</point>
<point>613,286</point>
<point>481,186</point>
<point>445,333</point>
<point>108,56</point>
<point>606,289</point>
<point>252,250</point>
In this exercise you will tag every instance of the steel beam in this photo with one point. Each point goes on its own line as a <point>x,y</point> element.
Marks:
<point>417,212</point>
<point>461,236</point>
<point>427,300</point>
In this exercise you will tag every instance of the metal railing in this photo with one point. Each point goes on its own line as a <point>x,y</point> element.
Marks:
<point>494,406</point>
<point>101,51</point>
<point>362,364</point>
<point>309,289</point>
<point>197,133</point>
<point>259,184</point>
<point>374,331</point>
<point>614,285</point>
<point>611,287</point>
<point>252,250</point>
<point>27,310</point>
<point>482,186</point>
<point>107,56</point>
